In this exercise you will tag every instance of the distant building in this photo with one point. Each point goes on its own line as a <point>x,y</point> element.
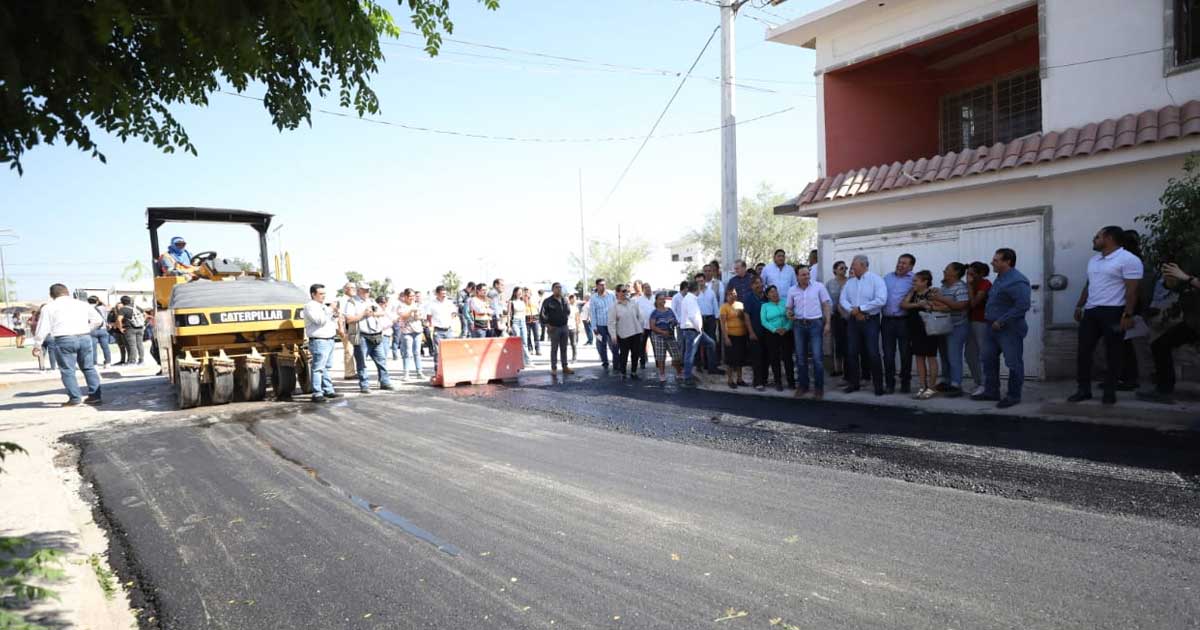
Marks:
<point>950,129</point>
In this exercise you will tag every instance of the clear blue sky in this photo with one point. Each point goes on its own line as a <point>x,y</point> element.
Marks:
<point>410,205</point>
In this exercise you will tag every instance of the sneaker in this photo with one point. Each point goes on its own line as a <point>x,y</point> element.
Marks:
<point>928,393</point>
<point>94,399</point>
<point>761,388</point>
<point>920,393</point>
<point>1079,397</point>
<point>978,391</point>
<point>73,403</point>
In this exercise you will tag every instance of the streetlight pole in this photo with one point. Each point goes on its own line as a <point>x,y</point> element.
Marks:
<point>729,209</point>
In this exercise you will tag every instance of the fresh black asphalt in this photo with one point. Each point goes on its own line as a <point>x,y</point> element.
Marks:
<point>607,504</point>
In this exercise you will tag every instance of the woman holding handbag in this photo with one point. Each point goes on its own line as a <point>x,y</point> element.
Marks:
<point>921,304</point>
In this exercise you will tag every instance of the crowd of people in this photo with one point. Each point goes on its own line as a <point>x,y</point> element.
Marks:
<point>769,323</point>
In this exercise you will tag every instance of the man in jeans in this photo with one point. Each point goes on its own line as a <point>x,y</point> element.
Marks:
<point>1105,310</point>
<point>894,326</point>
<point>599,304</point>
<point>370,319</point>
<point>131,321</point>
<point>70,322</point>
<point>320,326</point>
<point>691,329</point>
<point>556,313</point>
<point>441,313</point>
<point>808,306</point>
<point>100,335</point>
<point>1008,301</point>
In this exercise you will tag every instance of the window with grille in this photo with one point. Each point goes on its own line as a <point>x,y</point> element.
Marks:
<point>1187,31</point>
<point>999,111</point>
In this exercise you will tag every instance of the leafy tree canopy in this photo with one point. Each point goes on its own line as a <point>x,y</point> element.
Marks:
<point>452,282</point>
<point>1173,233</point>
<point>615,264</point>
<point>69,67</point>
<point>760,231</point>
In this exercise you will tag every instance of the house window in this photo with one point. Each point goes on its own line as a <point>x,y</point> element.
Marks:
<point>674,257</point>
<point>1006,108</point>
<point>687,259</point>
<point>1187,31</point>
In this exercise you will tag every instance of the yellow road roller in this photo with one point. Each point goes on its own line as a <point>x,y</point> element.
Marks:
<point>224,329</point>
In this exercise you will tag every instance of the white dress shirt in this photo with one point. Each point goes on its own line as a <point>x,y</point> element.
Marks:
<point>646,306</point>
<point>783,279</point>
<point>1107,276</point>
<point>319,322</point>
<point>64,316</point>
<point>806,303</point>
<point>868,293</point>
<point>441,313</point>
<point>688,313</point>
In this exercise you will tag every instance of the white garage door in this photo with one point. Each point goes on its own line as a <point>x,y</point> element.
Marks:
<point>934,248</point>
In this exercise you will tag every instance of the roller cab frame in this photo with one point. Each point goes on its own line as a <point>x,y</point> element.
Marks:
<point>222,332</point>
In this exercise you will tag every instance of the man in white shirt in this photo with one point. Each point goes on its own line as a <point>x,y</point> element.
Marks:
<point>349,335</point>
<point>710,306</point>
<point>645,303</point>
<point>1105,310</point>
<point>714,287</point>
<point>691,331</point>
<point>780,274</point>
<point>862,299</point>
<point>70,323</point>
<point>442,312</point>
<point>321,328</point>
<point>808,306</point>
<point>370,319</point>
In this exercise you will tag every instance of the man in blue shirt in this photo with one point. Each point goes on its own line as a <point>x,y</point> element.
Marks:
<point>1007,303</point>
<point>894,327</point>
<point>600,303</point>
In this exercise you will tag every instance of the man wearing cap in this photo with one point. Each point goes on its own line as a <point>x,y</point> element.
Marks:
<point>369,319</point>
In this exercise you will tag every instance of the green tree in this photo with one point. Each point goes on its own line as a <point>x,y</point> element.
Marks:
<point>760,231</point>
<point>380,288</point>
<point>351,277</point>
<point>68,67</point>
<point>243,264</point>
<point>451,281</point>
<point>134,271</point>
<point>616,265</point>
<point>1173,233</point>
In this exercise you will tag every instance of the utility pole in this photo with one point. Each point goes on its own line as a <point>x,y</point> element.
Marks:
<point>619,248</point>
<point>582,237</point>
<point>729,200</point>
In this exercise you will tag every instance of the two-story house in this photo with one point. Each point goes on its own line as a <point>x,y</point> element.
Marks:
<point>951,128</point>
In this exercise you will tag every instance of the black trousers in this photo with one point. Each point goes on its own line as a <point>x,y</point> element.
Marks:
<point>758,359</point>
<point>780,349</point>
<point>627,347</point>
<point>1100,322</point>
<point>711,329</point>
<point>1164,363</point>
<point>894,331</point>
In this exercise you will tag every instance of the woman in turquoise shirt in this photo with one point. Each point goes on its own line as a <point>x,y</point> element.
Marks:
<point>779,339</point>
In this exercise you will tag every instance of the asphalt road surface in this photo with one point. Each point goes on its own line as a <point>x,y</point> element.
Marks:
<point>602,504</point>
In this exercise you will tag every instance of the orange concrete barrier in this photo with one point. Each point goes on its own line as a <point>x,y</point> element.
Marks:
<point>477,361</point>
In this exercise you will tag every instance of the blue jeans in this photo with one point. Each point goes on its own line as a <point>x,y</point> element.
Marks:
<point>479,333</point>
<point>951,348</point>
<point>522,333</point>
<point>692,340</point>
<point>863,337</point>
<point>1009,341</point>
<point>75,351</point>
<point>410,347</point>
<point>378,354</point>
<point>809,338</point>
<point>396,341</point>
<point>895,335</point>
<point>587,327</point>
<point>322,362</point>
<point>438,336</point>
<point>602,341</point>
<point>534,341</point>
<point>100,340</point>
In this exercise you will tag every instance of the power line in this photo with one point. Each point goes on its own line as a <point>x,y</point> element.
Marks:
<point>531,140</point>
<point>660,117</point>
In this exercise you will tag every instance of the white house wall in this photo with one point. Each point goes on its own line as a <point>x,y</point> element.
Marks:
<point>1079,205</point>
<point>1083,30</point>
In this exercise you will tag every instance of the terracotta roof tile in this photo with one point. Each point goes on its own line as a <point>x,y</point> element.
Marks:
<point>1113,134</point>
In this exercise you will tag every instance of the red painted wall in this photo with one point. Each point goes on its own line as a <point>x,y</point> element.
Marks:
<point>888,110</point>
